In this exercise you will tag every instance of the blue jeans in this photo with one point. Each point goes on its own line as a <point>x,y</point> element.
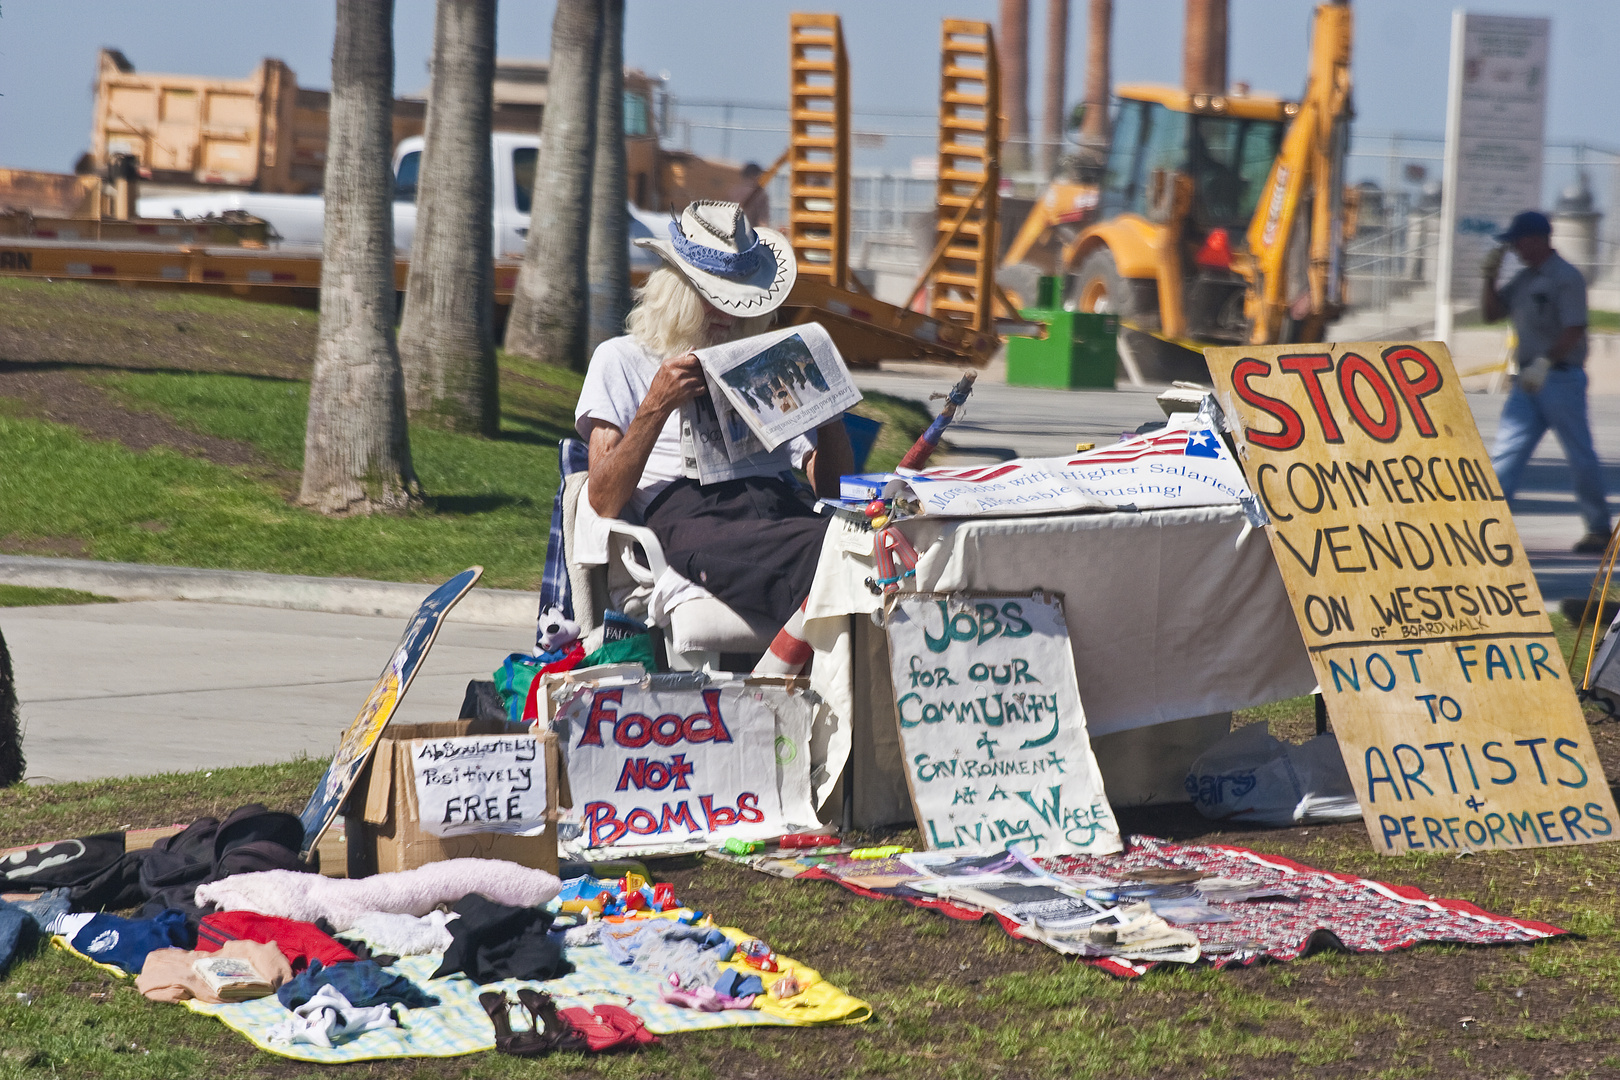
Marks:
<point>1561,405</point>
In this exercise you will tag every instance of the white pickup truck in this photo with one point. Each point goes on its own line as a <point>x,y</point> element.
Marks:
<point>298,219</point>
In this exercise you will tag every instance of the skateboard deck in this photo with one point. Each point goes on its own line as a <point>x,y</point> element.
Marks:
<point>355,749</point>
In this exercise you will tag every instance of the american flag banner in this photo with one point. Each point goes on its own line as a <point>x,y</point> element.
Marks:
<point>1185,464</point>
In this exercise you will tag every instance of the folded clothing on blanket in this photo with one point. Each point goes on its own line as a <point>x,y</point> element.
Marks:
<point>166,875</point>
<point>362,983</point>
<point>299,942</point>
<point>343,901</point>
<point>170,974</point>
<point>491,941</point>
<point>328,1018</point>
<point>403,935</point>
<point>125,943</point>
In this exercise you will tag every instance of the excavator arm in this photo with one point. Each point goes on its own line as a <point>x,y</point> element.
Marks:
<point>1305,188</point>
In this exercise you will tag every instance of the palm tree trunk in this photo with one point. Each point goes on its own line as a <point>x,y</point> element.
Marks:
<point>1099,77</point>
<point>1054,119</point>
<point>1012,34</point>
<point>549,317</point>
<point>609,261</point>
<point>357,453</point>
<point>447,338</point>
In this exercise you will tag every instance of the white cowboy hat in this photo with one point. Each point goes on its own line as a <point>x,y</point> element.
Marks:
<point>739,269</point>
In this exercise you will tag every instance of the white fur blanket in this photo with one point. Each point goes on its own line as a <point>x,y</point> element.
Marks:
<point>289,894</point>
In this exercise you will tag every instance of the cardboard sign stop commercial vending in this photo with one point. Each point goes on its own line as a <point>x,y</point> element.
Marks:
<point>1447,691</point>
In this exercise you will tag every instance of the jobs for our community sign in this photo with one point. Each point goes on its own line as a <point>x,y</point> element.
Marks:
<point>1446,687</point>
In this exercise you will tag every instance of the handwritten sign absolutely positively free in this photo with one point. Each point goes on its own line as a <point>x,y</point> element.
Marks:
<point>991,727</point>
<point>1420,611</point>
<point>480,784</point>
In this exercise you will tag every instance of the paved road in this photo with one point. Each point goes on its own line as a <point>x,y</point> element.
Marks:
<point>170,686</point>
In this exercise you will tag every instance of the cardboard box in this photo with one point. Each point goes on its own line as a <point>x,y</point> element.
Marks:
<point>381,821</point>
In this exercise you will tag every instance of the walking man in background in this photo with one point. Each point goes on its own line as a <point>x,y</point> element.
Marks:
<point>1547,303</point>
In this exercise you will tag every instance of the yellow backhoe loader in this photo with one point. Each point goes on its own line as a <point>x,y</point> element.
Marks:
<point>1219,219</point>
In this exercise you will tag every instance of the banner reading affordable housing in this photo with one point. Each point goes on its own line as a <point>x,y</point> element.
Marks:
<point>655,767</point>
<point>1421,614</point>
<point>991,727</point>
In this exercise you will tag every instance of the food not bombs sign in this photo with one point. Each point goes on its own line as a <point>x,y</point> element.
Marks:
<point>1446,687</point>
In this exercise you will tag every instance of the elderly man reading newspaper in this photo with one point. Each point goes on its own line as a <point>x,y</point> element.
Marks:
<point>750,540</point>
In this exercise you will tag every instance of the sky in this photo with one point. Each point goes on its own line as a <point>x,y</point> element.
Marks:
<point>736,50</point>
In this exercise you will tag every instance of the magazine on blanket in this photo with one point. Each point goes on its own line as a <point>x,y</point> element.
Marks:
<point>772,387</point>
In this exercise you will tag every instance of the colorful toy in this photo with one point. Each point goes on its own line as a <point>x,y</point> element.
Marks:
<point>756,954</point>
<point>895,557</point>
<point>806,840</point>
<point>884,852</point>
<point>630,893</point>
<point>735,846</point>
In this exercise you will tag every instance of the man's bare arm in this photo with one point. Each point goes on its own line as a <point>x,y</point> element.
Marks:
<point>1490,301</point>
<point>618,458</point>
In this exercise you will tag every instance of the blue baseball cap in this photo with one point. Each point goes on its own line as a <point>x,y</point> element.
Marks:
<point>1529,223</point>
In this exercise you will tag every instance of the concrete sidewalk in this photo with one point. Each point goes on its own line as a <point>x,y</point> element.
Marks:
<point>171,686</point>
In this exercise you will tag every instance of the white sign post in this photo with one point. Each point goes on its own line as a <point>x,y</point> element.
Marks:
<point>1496,115</point>
<point>991,727</point>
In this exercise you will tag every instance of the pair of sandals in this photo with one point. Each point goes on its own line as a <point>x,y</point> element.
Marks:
<point>548,1030</point>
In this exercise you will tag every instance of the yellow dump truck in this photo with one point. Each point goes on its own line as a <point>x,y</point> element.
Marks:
<point>266,133</point>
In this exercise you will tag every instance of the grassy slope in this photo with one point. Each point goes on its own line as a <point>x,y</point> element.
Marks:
<point>24,596</point>
<point>489,500</point>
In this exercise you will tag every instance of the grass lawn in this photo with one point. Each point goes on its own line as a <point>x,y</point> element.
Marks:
<point>24,596</point>
<point>167,428</point>
<point>952,999</point>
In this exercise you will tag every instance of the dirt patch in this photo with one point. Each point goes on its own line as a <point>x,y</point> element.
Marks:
<point>49,393</point>
<point>64,547</point>
<point>80,324</point>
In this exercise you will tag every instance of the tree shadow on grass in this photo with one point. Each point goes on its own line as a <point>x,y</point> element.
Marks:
<point>467,505</point>
<point>10,366</point>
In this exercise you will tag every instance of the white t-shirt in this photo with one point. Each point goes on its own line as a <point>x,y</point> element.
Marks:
<point>616,383</point>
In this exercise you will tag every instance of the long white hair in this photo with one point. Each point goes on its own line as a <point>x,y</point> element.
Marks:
<point>671,319</point>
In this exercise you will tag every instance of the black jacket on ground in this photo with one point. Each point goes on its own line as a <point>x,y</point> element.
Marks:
<point>493,941</point>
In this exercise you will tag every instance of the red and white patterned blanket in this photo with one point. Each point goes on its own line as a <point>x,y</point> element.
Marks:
<point>1326,909</point>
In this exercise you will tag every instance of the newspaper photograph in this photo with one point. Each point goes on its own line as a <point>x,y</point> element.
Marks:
<point>781,384</point>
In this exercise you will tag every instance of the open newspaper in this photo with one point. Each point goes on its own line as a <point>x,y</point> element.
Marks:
<point>763,392</point>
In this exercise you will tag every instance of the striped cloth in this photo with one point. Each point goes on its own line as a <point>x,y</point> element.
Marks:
<point>573,456</point>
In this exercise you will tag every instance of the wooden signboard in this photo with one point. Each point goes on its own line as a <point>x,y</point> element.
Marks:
<point>1448,694</point>
<point>991,727</point>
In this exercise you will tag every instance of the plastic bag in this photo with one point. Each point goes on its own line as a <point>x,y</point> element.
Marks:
<point>1253,776</point>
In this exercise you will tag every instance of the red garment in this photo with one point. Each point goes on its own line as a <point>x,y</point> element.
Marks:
<point>571,660</point>
<point>608,1026</point>
<point>299,942</point>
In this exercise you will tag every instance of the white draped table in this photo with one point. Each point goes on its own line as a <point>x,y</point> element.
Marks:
<point>1175,617</point>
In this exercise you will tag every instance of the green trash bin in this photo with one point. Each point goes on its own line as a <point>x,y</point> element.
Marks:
<point>1079,349</point>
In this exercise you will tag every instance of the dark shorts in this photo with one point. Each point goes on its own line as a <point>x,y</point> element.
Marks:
<point>751,542</point>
